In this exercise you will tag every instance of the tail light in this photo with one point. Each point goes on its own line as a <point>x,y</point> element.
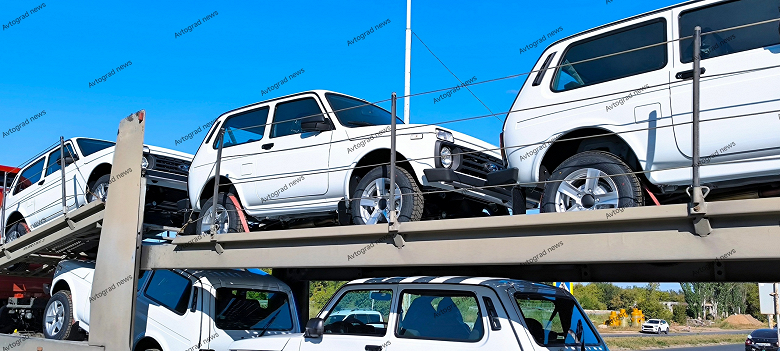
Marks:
<point>501,145</point>
<point>748,342</point>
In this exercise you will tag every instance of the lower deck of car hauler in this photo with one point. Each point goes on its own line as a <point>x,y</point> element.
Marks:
<point>639,244</point>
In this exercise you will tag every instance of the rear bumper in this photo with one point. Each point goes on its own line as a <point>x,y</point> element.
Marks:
<point>495,189</point>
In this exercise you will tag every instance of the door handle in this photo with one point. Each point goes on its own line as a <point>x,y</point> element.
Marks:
<point>688,74</point>
<point>268,146</point>
<point>41,182</point>
<point>373,348</point>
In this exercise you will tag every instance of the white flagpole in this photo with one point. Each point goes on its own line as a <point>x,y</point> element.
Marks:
<point>408,68</point>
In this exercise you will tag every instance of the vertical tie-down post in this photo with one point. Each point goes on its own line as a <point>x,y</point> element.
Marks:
<point>214,220</point>
<point>698,207</point>
<point>398,240</point>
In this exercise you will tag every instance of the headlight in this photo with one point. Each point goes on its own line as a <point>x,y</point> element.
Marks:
<point>446,156</point>
<point>444,135</point>
<point>144,163</point>
<point>147,162</point>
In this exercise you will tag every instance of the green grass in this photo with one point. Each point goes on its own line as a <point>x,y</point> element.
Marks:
<point>649,342</point>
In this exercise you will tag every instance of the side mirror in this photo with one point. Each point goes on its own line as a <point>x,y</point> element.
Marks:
<point>316,123</point>
<point>68,160</point>
<point>315,327</point>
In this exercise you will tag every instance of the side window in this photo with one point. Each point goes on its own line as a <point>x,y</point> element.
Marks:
<point>29,176</point>
<point>348,315</point>
<point>728,15</point>
<point>440,315</point>
<point>244,127</point>
<point>288,116</point>
<point>572,75</point>
<point>549,319</point>
<point>170,289</point>
<point>54,159</point>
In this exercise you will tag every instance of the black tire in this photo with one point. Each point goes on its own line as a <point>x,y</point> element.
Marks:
<point>233,224</point>
<point>16,231</point>
<point>60,313</point>
<point>612,171</point>
<point>410,194</point>
<point>96,186</point>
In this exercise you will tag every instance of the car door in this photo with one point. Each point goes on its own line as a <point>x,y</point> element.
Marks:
<point>351,334</point>
<point>168,305</point>
<point>25,191</point>
<point>742,77</point>
<point>293,164</point>
<point>51,189</point>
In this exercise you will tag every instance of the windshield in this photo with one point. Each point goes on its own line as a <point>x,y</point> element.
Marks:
<point>248,309</point>
<point>355,113</point>
<point>549,319</point>
<point>652,321</point>
<point>91,146</point>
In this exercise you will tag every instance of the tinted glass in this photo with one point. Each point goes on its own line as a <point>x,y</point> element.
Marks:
<point>765,333</point>
<point>143,275</point>
<point>91,146</point>
<point>441,315</point>
<point>244,128</point>
<point>294,112</point>
<point>351,304</point>
<point>170,289</point>
<point>30,176</point>
<point>727,15</point>
<point>54,159</point>
<point>248,309</point>
<point>355,113</point>
<point>549,319</point>
<point>652,321</point>
<point>571,76</point>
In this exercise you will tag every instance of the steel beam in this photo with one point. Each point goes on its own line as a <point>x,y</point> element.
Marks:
<point>644,235</point>
<point>116,268</point>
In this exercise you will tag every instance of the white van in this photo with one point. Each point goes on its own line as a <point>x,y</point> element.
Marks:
<point>616,132</point>
<point>178,310</point>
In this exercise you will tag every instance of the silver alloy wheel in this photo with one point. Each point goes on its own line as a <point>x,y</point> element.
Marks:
<point>223,220</point>
<point>586,189</point>
<point>373,203</point>
<point>55,318</point>
<point>12,235</point>
<point>101,191</point>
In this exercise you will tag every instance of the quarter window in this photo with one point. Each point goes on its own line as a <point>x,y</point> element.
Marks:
<point>170,289</point>
<point>288,116</point>
<point>440,315</point>
<point>29,176</point>
<point>549,319</point>
<point>249,309</point>
<point>360,312</point>
<point>728,15</point>
<point>91,146</point>
<point>572,75</point>
<point>54,159</point>
<point>244,127</point>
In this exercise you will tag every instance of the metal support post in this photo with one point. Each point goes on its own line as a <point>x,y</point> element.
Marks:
<point>777,309</point>
<point>408,64</point>
<point>393,220</point>
<point>698,207</point>
<point>5,194</point>
<point>220,137</point>
<point>62,172</point>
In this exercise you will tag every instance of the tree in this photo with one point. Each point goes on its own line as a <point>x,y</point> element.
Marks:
<point>678,314</point>
<point>589,296</point>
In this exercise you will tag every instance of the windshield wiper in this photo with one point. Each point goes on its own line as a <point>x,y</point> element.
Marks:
<point>268,325</point>
<point>360,123</point>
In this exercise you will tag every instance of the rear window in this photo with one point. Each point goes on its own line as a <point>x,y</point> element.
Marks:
<point>764,333</point>
<point>573,75</point>
<point>549,319</point>
<point>728,15</point>
<point>91,146</point>
<point>249,309</point>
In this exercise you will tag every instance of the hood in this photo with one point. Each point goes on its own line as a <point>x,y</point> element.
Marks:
<point>156,150</point>
<point>267,342</point>
<point>405,129</point>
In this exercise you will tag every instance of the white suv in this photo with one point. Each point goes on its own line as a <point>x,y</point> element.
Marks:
<point>176,309</point>
<point>35,196</point>
<point>294,160</point>
<point>657,326</point>
<point>599,131</point>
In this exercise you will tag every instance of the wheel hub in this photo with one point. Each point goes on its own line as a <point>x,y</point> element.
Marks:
<point>222,220</point>
<point>588,201</point>
<point>586,189</point>
<point>374,202</point>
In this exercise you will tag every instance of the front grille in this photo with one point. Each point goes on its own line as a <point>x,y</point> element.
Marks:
<point>170,164</point>
<point>473,163</point>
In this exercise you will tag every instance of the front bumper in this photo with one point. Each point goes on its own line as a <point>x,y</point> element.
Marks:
<point>495,189</point>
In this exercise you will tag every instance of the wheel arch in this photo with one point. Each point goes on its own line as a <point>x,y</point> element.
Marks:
<point>99,171</point>
<point>586,139</point>
<point>375,157</point>
<point>225,185</point>
<point>147,342</point>
<point>59,286</point>
<point>13,218</point>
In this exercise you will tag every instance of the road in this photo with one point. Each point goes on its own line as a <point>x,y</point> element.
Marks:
<point>623,335</point>
<point>729,347</point>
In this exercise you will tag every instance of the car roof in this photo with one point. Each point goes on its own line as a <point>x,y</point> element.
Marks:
<point>494,283</point>
<point>315,91</point>
<point>226,278</point>
<point>618,22</point>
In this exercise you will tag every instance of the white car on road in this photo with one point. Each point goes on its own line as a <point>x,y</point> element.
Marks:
<point>35,196</point>
<point>178,310</point>
<point>319,157</point>
<point>657,326</point>
<point>595,133</point>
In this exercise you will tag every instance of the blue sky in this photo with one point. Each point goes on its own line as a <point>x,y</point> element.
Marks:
<point>49,58</point>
